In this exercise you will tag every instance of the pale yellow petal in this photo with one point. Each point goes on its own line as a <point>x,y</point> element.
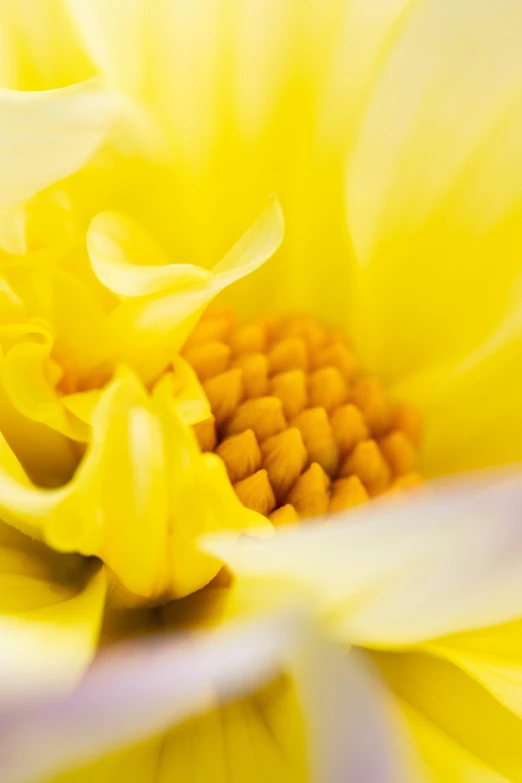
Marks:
<point>27,383</point>
<point>39,47</point>
<point>67,126</point>
<point>403,570</point>
<point>241,124</point>
<point>471,407</point>
<point>434,190</point>
<point>127,260</point>
<point>462,733</point>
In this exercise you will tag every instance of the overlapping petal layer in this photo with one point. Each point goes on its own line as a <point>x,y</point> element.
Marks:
<point>51,609</point>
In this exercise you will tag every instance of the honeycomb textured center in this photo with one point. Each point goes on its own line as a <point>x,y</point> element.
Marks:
<point>302,430</point>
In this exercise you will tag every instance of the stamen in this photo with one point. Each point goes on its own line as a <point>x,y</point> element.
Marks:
<point>289,354</point>
<point>208,359</point>
<point>255,492</point>
<point>300,429</point>
<point>263,415</point>
<point>347,493</point>
<point>284,515</point>
<point>241,455</point>
<point>348,427</point>
<point>290,388</point>
<point>254,367</point>
<point>318,438</point>
<point>327,388</point>
<point>367,462</point>
<point>310,494</point>
<point>224,393</point>
<point>284,458</point>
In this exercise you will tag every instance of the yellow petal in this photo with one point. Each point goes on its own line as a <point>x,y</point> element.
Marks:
<point>62,303</point>
<point>404,570</point>
<point>433,204</point>
<point>186,390</point>
<point>242,125</point>
<point>492,655</point>
<point>27,383</point>
<point>146,330</point>
<point>471,406</point>
<point>464,733</point>
<point>49,622</point>
<point>39,48</point>
<point>129,263</point>
<point>67,126</point>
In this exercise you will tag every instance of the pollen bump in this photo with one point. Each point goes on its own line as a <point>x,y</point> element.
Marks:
<point>301,430</point>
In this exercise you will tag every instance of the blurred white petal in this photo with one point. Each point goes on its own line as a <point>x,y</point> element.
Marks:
<point>405,569</point>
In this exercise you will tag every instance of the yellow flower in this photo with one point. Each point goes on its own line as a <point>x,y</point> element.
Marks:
<point>390,136</point>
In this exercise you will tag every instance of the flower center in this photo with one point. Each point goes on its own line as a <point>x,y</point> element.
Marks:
<point>301,429</point>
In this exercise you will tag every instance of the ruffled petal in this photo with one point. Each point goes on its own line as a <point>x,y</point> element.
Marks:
<point>404,570</point>
<point>464,734</point>
<point>129,263</point>
<point>51,608</point>
<point>26,381</point>
<point>146,330</point>
<point>434,200</point>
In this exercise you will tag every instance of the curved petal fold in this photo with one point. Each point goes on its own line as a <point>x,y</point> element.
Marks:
<point>146,330</point>
<point>129,263</point>
<point>49,622</point>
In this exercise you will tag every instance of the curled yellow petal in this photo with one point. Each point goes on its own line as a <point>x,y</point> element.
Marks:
<point>26,380</point>
<point>139,499</point>
<point>145,331</point>
<point>129,263</point>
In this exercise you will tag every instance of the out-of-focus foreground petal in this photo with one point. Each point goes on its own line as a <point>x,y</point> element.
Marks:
<point>205,707</point>
<point>49,622</point>
<point>399,571</point>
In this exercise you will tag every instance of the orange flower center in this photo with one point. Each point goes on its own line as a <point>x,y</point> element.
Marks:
<point>301,429</point>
